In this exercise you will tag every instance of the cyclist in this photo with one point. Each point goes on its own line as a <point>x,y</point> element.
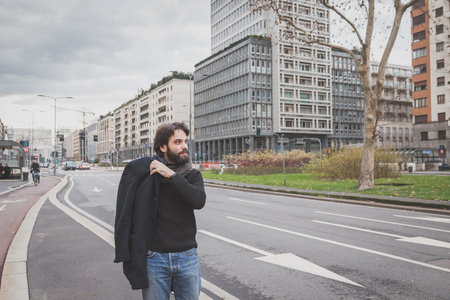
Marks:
<point>35,170</point>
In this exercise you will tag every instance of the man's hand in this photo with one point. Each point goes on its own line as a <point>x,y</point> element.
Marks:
<point>160,168</point>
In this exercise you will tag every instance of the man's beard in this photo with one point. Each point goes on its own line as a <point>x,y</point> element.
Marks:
<point>176,158</point>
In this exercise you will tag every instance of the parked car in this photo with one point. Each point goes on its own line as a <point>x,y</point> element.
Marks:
<point>445,166</point>
<point>69,166</point>
<point>85,166</point>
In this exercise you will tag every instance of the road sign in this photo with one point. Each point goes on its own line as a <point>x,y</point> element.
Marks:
<point>26,149</point>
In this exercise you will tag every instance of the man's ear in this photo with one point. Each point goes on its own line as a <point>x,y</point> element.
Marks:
<point>163,148</point>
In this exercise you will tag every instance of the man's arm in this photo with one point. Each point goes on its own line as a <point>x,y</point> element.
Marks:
<point>192,189</point>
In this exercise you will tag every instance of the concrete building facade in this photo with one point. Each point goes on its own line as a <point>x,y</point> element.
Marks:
<point>431,79</point>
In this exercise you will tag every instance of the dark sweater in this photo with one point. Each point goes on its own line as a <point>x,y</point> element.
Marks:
<point>175,222</point>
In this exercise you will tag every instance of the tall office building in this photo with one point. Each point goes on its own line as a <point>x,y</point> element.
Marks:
<point>301,74</point>
<point>431,79</point>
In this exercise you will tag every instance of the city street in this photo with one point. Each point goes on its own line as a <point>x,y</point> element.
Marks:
<point>262,246</point>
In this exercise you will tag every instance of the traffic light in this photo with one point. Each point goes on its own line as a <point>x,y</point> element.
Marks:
<point>258,131</point>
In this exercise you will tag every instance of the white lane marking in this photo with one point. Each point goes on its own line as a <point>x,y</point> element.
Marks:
<point>96,190</point>
<point>287,260</point>
<point>66,198</point>
<point>345,245</point>
<point>3,207</point>
<point>248,201</point>
<point>13,201</point>
<point>416,240</point>
<point>380,221</point>
<point>432,219</point>
<point>216,291</point>
<point>360,229</point>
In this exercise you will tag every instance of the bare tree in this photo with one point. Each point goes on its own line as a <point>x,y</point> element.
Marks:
<point>362,25</point>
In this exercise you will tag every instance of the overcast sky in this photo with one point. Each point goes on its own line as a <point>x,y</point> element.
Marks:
<point>98,52</point>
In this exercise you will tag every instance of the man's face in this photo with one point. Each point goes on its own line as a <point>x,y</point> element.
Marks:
<point>176,151</point>
<point>35,161</point>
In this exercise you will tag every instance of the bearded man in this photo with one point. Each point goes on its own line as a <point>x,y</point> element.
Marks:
<point>155,225</point>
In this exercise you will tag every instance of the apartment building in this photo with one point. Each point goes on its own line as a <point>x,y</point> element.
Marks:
<point>105,133</point>
<point>301,74</point>
<point>136,121</point>
<point>395,106</point>
<point>431,79</point>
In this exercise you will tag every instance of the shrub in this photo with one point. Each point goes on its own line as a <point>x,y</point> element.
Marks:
<point>267,162</point>
<point>346,164</point>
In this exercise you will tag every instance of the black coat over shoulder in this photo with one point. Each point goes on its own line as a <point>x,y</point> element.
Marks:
<point>136,208</point>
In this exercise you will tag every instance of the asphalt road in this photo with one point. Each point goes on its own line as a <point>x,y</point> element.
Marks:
<point>260,246</point>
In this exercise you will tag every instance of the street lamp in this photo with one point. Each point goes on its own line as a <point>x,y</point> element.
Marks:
<point>56,141</point>
<point>282,153</point>
<point>32,129</point>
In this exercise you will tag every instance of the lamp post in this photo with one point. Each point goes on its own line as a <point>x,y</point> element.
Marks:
<point>32,129</point>
<point>56,141</point>
<point>282,154</point>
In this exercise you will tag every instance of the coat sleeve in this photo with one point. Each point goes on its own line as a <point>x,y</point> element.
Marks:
<point>192,188</point>
<point>124,213</point>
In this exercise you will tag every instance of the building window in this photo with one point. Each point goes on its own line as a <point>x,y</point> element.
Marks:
<point>441,81</point>
<point>419,36</point>
<point>442,135</point>
<point>420,69</point>
<point>421,102</point>
<point>424,136</point>
<point>440,64</point>
<point>439,11</point>
<point>421,52</point>
<point>441,117</point>
<point>421,119</point>
<point>441,99</point>
<point>439,28</point>
<point>419,19</point>
<point>440,47</point>
<point>418,4</point>
<point>420,86</point>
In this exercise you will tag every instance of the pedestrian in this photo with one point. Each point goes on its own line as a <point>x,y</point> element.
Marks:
<point>155,225</point>
<point>7,171</point>
<point>1,171</point>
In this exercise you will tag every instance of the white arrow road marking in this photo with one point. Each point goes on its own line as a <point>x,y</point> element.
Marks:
<point>248,201</point>
<point>379,221</point>
<point>287,260</point>
<point>97,190</point>
<point>425,241</point>
<point>433,219</point>
<point>66,198</point>
<point>417,240</point>
<point>346,245</point>
<point>3,207</point>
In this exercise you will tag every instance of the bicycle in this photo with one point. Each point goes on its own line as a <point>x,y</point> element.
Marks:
<point>36,178</point>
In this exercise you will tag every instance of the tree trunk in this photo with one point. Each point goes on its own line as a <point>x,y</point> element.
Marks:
<point>366,177</point>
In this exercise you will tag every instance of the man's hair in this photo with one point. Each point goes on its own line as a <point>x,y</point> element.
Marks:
<point>164,132</point>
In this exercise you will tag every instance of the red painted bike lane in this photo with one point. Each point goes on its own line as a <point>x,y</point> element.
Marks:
<point>13,208</point>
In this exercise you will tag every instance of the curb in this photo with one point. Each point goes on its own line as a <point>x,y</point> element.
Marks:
<point>14,278</point>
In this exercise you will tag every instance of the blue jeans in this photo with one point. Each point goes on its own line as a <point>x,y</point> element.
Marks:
<point>180,270</point>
